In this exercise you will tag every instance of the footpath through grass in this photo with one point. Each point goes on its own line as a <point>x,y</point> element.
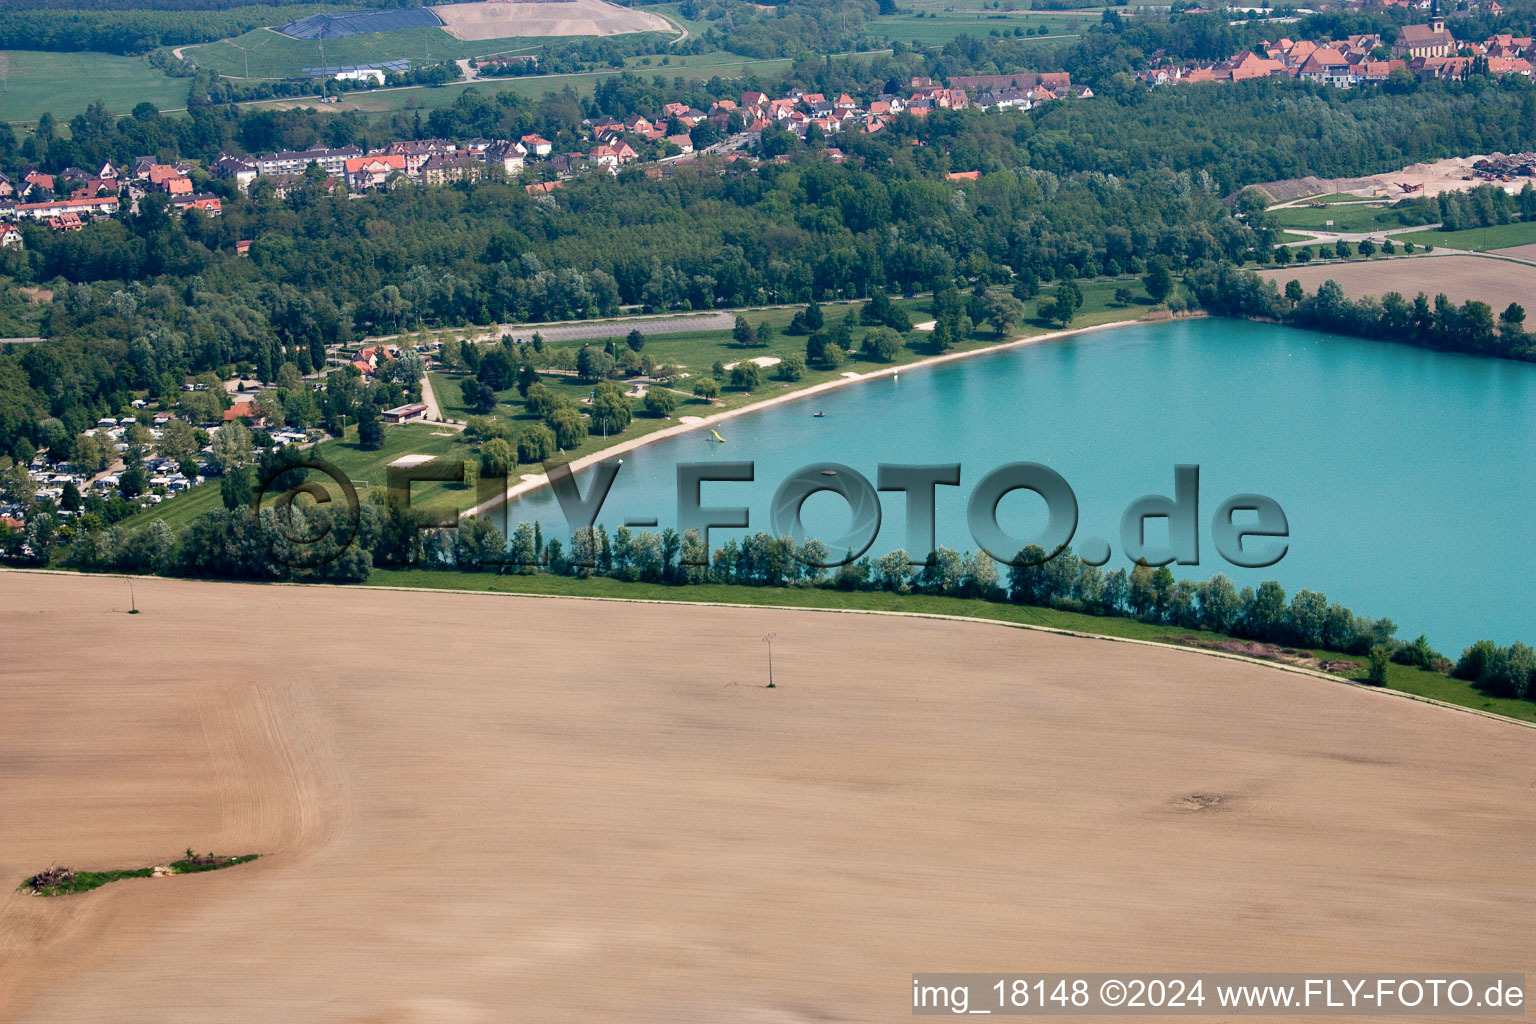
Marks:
<point>1402,678</point>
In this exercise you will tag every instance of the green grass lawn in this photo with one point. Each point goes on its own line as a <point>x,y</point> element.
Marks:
<point>1399,677</point>
<point>673,12</point>
<point>64,84</point>
<point>1338,197</point>
<point>366,469</point>
<point>1345,218</point>
<point>1499,236</point>
<point>273,55</point>
<point>945,26</point>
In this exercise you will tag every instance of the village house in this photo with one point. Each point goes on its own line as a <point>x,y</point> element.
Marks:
<point>243,171</point>
<point>447,168</point>
<point>36,183</point>
<point>81,207</point>
<point>613,156</point>
<point>537,145</point>
<point>1325,64</point>
<point>417,152</point>
<point>367,360</point>
<point>207,202</point>
<point>373,171</point>
<point>508,156</point>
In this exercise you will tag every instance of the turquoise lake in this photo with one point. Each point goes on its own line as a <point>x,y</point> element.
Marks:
<point>1408,477</point>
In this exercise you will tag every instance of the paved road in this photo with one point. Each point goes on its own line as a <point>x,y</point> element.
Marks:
<point>1352,236</point>
<point>721,321</point>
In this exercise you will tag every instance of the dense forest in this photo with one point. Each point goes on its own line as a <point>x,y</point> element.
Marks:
<point>134,30</point>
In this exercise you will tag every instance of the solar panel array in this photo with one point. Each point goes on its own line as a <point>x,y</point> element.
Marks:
<point>352,23</point>
<point>402,64</point>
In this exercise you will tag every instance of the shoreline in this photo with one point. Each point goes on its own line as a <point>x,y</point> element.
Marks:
<point>533,482</point>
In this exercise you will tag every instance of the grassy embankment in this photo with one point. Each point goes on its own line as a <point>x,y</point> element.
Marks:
<point>64,882</point>
<point>1498,236</point>
<point>1402,678</point>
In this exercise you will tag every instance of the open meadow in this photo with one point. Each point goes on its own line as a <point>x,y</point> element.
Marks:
<point>1352,217</point>
<point>263,53</point>
<point>64,84</point>
<point>1488,239</point>
<point>936,27</point>
<point>597,811</point>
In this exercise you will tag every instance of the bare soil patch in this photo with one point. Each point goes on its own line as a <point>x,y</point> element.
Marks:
<point>596,811</point>
<point>1267,652</point>
<point>1461,277</point>
<point>1454,174</point>
<point>505,19</point>
<point>1519,252</point>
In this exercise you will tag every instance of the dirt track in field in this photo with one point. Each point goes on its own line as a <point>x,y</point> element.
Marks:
<point>482,808</point>
<point>1461,277</point>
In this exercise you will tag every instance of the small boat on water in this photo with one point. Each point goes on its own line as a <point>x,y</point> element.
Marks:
<point>819,415</point>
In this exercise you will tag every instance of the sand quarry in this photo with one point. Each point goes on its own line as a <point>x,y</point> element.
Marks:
<point>505,19</point>
<point>1461,277</point>
<point>1453,174</point>
<point>477,808</point>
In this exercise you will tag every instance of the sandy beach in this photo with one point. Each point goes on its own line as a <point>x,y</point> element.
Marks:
<point>485,808</point>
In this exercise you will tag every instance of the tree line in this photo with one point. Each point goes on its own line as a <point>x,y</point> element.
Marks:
<point>1472,326</point>
<point>239,543</point>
